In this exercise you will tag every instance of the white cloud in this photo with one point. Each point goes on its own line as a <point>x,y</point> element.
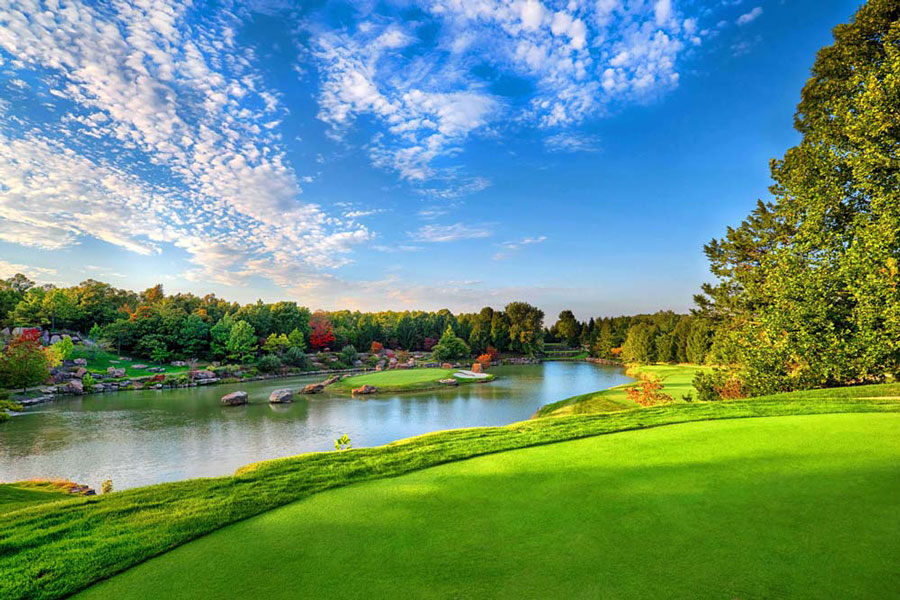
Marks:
<point>751,16</point>
<point>572,142</point>
<point>161,90</point>
<point>449,233</point>
<point>510,248</point>
<point>8,269</point>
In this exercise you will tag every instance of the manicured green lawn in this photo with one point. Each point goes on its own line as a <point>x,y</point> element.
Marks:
<point>677,382</point>
<point>56,549</point>
<point>789,507</point>
<point>100,360</point>
<point>14,496</point>
<point>397,380</point>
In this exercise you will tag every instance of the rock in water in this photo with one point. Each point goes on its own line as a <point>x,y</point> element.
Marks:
<point>451,382</point>
<point>235,398</point>
<point>366,389</point>
<point>281,396</point>
<point>313,388</point>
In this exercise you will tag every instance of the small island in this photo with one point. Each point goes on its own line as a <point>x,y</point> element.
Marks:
<point>407,380</point>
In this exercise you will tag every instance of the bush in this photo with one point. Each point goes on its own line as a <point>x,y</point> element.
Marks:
<point>485,360</point>
<point>268,363</point>
<point>88,382</point>
<point>493,353</point>
<point>718,385</point>
<point>349,355</point>
<point>649,393</point>
<point>296,357</point>
<point>450,347</point>
<point>376,347</point>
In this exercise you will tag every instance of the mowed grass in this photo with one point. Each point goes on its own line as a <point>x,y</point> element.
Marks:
<point>100,360</point>
<point>14,496</point>
<point>398,380</point>
<point>56,549</point>
<point>677,382</point>
<point>789,507</point>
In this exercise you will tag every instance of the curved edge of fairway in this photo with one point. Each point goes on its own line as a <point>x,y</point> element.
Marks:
<point>398,381</point>
<point>55,550</point>
<point>732,508</point>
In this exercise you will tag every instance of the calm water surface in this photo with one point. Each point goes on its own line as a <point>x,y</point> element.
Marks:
<point>139,438</point>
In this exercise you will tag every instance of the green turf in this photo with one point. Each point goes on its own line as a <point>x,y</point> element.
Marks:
<point>790,507</point>
<point>56,549</point>
<point>15,496</point>
<point>397,380</point>
<point>677,381</point>
<point>100,360</point>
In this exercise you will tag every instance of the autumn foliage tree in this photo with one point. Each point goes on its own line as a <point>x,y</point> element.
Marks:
<point>321,335</point>
<point>649,393</point>
<point>24,363</point>
<point>376,348</point>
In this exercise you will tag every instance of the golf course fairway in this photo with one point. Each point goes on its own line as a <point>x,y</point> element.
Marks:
<point>782,507</point>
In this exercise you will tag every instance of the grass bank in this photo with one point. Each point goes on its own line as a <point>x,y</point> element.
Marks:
<point>56,549</point>
<point>676,379</point>
<point>15,496</point>
<point>98,361</point>
<point>400,380</point>
<point>732,509</point>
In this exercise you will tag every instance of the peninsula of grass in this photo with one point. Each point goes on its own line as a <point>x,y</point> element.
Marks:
<point>677,382</point>
<point>15,496</point>
<point>402,380</point>
<point>57,549</point>
<point>750,508</point>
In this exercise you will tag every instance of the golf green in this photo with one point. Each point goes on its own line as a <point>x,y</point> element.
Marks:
<point>785,507</point>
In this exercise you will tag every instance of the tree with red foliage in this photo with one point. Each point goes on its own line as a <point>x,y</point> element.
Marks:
<point>376,348</point>
<point>485,360</point>
<point>493,353</point>
<point>321,334</point>
<point>24,362</point>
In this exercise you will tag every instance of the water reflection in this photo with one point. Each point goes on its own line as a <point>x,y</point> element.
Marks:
<point>138,438</point>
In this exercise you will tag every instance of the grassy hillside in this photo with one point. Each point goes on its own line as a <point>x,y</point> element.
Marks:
<point>677,381</point>
<point>736,509</point>
<point>15,496</point>
<point>100,360</point>
<point>399,380</point>
<point>56,549</point>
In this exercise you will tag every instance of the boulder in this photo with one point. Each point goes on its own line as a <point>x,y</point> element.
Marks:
<point>366,389</point>
<point>451,382</point>
<point>331,380</point>
<point>446,366</point>
<point>204,375</point>
<point>476,368</point>
<point>54,339</point>
<point>115,372</point>
<point>75,387</point>
<point>179,363</point>
<point>81,362</point>
<point>281,396</point>
<point>80,372</point>
<point>379,367</point>
<point>235,398</point>
<point>139,366</point>
<point>313,388</point>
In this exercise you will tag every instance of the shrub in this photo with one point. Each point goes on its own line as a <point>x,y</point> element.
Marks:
<point>88,382</point>
<point>649,393</point>
<point>429,343</point>
<point>296,357</point>
<point>343,443</point>
<point>493,353</point>
<point>349,355</point>
<point>376,347</point>
<point>107,486</point>
<point>485,360</point>
<point>403,356</point>
<point>269,363</point>
<point>450,347</point>
<point>719,384</point>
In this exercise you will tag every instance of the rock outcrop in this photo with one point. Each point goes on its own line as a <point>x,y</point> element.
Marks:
<point>313,388</point>
<point>235,399</point>
<point>281,396</point>
<point>366,389</point>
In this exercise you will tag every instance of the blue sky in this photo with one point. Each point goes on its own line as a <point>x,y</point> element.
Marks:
<point>394,155</point>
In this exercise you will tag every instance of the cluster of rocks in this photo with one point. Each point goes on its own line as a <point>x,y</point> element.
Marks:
<point>363,390</point>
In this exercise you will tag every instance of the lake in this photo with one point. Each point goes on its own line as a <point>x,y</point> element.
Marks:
<point>151,436</point>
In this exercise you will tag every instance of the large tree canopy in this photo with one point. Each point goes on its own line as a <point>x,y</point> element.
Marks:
<point>806,292</point>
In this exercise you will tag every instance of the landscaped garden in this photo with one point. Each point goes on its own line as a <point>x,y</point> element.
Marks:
<point>55,549</point>
<point>408,380</point>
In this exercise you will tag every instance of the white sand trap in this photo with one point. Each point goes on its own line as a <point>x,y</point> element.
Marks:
<point>469,375</point>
